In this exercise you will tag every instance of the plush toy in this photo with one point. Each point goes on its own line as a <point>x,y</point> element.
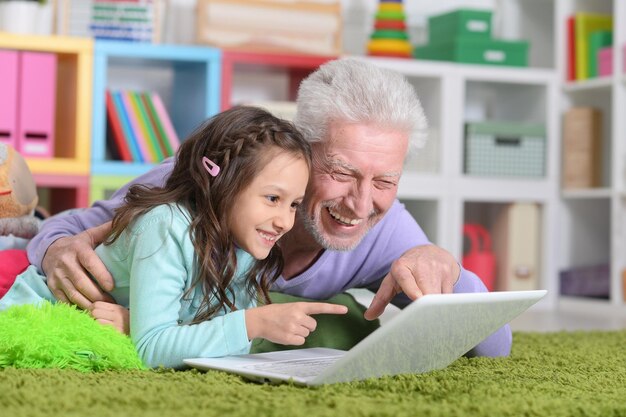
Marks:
<point>18,195</point>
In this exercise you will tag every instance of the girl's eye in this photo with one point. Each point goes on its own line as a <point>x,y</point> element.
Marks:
<point>272,198</point>
<point>295,205</point>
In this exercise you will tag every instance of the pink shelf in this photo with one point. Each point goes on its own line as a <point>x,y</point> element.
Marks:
<point>69,191</point>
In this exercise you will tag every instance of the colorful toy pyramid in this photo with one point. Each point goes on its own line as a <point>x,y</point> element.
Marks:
<point>389,37</point>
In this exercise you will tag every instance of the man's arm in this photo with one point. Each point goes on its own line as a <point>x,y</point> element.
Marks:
<point>426,269</point>
<point>63,248</point>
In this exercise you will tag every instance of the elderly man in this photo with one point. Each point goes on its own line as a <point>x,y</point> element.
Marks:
<point>351,231</point>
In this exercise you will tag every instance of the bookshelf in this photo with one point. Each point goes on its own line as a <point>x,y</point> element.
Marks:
<point>186,77</point>
<point>65,175</point>
<point>592,220</point>
<point>580,227</point>
<point>434,186</point>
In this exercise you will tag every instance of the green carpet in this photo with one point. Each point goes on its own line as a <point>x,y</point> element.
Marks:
<point>560,374</point>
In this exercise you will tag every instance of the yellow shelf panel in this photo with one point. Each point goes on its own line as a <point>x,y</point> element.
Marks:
<point>58,166</point>
<point>58,44</point>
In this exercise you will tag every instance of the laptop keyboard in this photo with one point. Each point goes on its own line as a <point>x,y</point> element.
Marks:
<point>297,367</point>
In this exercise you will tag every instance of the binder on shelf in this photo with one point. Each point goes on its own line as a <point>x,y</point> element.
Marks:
<point>586,23</point>
<point>8,98</point>
<point>36,104</point>
<point>165,120</point>
<point>128,133</point>
<point>597,40</point>
<point>153,143</point>
<point>139,133</point>
<point>116,133</point>
<point>516,245</point>
<point>571,48</point>
<point>157,126</point>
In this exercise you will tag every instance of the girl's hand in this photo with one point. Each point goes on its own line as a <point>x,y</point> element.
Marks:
<point>111,314</point>
<point>289,323</point>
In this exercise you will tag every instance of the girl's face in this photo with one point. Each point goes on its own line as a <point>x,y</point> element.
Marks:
<point>265,209</point>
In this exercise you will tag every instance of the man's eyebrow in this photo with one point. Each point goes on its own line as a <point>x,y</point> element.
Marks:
<point>343,164</point>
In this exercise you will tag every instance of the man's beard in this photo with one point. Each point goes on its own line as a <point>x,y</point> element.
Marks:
<point>313,225</point>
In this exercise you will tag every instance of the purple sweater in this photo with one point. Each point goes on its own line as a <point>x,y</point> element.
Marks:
<point>333,272</point>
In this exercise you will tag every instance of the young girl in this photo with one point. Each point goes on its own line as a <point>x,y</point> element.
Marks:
<point>190,259</point>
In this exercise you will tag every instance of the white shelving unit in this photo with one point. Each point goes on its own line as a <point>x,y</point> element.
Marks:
<point>434,186</point>
<point>592,221</point>
<point>578,227</point>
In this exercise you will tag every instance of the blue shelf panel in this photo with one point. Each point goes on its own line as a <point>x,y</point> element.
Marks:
<point>132,169</point>
<point>190,88</point>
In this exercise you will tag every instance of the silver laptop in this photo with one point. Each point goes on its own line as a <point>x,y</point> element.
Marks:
<point>430,333</point>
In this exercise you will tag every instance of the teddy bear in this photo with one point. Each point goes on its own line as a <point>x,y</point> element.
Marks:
<point>18,195</point>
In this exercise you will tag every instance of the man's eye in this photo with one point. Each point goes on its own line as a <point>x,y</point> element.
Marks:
<point>385,185</point>
<point>272,198</point>
<point>340,176</point>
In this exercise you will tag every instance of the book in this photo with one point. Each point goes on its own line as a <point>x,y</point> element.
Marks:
<point>571,48</point>
<point>165,121</point>
<point>586,23</point>
<point>135,124</point>
<point>157,126</point>
<point>128,132</point>
<point>116,134</point>
<point>153,143</point>
<point>597,40</point>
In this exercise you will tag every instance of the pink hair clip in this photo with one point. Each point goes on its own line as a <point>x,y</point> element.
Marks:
<point>212,168</point>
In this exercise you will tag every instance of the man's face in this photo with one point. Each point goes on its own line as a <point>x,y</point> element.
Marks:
<point>354,182</point>
<point>265,210</point>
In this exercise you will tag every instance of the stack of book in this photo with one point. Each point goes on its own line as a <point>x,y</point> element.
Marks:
<point>139,128</point>
<point>587,35</point>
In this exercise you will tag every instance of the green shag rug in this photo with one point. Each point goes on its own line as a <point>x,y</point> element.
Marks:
<point>558,374</point>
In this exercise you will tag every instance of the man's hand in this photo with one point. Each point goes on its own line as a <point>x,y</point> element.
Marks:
<point>67,262</point>
<point>289,323</point>
<point>112,315</point>
<point>421,270</point>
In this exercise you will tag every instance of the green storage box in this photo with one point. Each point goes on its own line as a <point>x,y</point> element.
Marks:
<point>476,51</point>
<point>462,23</point>
<point>503,149</point>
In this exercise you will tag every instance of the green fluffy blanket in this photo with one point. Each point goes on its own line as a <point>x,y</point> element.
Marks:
<point>60,336</point>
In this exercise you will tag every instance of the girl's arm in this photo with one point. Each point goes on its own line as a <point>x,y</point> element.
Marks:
<point>159,255</point>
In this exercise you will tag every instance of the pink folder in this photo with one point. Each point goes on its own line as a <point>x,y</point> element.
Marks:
<point>36,112</point>
<point>8,97</point>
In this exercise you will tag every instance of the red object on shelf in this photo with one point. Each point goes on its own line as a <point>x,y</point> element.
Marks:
<point>480,259</point>
<point>298,67</point>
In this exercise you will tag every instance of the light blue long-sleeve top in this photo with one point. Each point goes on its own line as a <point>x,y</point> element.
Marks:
<point>152,263</point>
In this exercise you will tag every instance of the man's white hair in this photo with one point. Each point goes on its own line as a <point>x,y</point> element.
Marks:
<point>355,91</point>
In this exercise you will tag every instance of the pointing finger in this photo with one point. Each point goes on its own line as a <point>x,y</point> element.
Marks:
<point>324,308</point>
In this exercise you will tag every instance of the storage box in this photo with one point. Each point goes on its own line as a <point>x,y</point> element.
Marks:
<point>582,148</point>
<point>505,149</point>
<point>463,23</point>
<point>587,281</point>
<point>476,51</point>
<point>605,62</point>
<point>271,26</point>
